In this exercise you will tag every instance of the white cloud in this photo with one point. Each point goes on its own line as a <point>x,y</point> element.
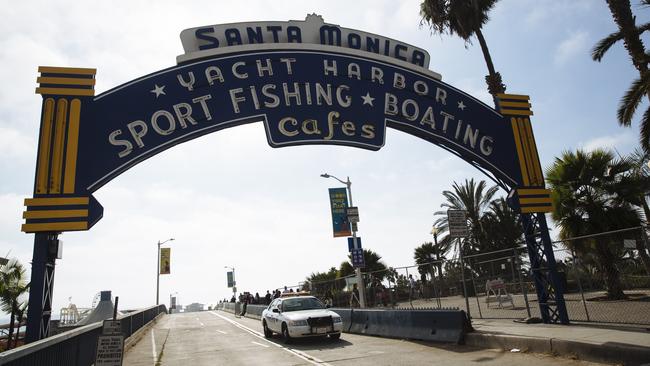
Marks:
<point>16,145</point>
<point>576,45</point>
<point>622,142</point>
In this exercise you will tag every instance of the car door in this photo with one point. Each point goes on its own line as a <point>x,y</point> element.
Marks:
<point>271,317</point>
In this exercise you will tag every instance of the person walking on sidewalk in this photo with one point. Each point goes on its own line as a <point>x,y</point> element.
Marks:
<point>354,297</point>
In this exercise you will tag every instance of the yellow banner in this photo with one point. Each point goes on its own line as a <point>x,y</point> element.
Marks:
<point>165,257</point>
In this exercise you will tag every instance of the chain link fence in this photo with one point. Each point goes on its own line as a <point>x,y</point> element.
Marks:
<point>605,279</point>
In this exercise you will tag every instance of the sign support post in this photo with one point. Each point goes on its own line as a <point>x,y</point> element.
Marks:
<point>457,222</point>
<point>41,286</point>
<point>357,271</point>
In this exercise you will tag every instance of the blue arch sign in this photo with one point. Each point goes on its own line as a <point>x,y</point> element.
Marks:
<point>308,82</point>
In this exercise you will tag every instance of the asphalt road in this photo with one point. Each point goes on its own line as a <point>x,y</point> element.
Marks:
<point>218,338</point>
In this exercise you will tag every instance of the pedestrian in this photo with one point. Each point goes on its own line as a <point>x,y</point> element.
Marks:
<point>412,286</point>
<point>257,298</point>
<point>354,297</point>
<point>267,298</point>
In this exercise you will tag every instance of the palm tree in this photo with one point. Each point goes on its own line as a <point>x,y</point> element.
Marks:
<point>13,285</point>
<point>428,252</point>
<point>585,193</point>
<point>464,18</point>
<point>634,188</point>
<point>473,198</point>
<point>373,264</point>
<point>501,226</point>
<point>630,34</point>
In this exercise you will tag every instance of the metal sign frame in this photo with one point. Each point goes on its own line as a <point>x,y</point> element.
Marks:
<point>347,95</point>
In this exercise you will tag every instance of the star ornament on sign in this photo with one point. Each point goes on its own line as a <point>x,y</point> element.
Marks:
<point>461,105</point>
<point>367,99</point>
<point>158,90</point>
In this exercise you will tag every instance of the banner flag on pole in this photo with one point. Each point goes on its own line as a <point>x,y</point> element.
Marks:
<point>165,257</point>
<point>339,206</point>
<point>231,283</point>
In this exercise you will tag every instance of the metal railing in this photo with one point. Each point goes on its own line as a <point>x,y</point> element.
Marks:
<point>498,284</point>
<point>76,347</point>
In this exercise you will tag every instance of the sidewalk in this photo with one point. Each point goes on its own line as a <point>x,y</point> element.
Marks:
<point>589,342</point>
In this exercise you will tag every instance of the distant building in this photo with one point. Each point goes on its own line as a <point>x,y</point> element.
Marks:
<point>195,306</point>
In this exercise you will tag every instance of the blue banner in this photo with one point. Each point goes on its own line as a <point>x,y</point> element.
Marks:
<point>339,205</point>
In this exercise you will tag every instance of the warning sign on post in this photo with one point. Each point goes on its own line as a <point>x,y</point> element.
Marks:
<point>457,222</point>
<point>110,349</point>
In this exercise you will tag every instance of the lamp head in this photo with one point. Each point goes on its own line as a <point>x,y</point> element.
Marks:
<point>325,175</point>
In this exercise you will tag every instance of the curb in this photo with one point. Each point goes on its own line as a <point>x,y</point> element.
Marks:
<point>611,352</point>
<point>138,334</point>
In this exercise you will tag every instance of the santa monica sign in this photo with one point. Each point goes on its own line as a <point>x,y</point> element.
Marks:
<point>308,82</point>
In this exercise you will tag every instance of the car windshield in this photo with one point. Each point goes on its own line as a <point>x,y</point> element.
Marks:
<point>302,303</point>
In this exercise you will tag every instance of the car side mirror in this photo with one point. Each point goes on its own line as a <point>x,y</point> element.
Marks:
<point>276,310</point>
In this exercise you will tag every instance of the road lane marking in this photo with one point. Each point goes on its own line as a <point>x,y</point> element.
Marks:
<point>221,331</point>
<point>302,355</point>
<point>153,347</point>
<point>260,344</point>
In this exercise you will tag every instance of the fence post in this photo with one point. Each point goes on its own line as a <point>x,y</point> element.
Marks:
<point>478,303</point>
<point>582,293</point>
<point>523,288</point>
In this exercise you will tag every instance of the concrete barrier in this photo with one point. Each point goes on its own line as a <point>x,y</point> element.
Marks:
<point>428,325</point>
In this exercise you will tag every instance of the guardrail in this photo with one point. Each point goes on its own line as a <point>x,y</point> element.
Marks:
<point>427,325</point>
<point>75,347</point>
<point>445,325</point>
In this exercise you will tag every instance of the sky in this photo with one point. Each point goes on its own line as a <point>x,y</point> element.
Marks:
<point>228,198</point>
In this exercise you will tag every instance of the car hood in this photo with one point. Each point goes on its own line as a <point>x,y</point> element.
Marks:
<point>304,314</point>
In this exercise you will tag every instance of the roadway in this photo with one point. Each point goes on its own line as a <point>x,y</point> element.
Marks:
<point>218,338</point>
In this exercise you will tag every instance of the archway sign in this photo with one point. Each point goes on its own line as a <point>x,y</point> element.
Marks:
<point>309,82</point>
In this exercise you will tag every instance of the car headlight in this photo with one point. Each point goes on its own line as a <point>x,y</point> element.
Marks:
<point>337,319</point>
<point>298,323</point>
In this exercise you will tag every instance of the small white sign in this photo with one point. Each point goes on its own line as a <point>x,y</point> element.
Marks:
<point>110,350</point>
<point>353,214</point>
<point>112,327</point>
<point>629,243</point>
<point>457,222</point>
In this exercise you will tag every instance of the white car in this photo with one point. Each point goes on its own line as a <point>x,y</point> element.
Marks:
<point>300,316</point>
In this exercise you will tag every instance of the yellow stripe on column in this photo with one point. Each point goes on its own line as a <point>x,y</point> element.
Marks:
<point>72,146</point>
<point>65,81</point>
<point>533,191</point>
<point>527,201</point>
<point>54,214</point>
<point>532,209</point>
<point>66,70</point>
<point>534,155</point>
<point>522,122</point>
<point>520,151</point>
<point>56,201</point>
<point>66,91</point>
<point>44,151</point>
<point>57,151</point>
<point>55,226</point>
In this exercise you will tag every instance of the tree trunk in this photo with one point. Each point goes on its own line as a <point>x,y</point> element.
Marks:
<point>12,319</point>
<point>624,19</point>
<point>641,244</point>
<point>493,80</point>
<point>610,272</point>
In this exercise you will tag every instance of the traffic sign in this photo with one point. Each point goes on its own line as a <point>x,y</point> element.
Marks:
<point>112,327</point>
<point>353,214</point>
<point>357,258</point>
<point>457,223</point>
<point>351,243</point>
<point>110,350</point>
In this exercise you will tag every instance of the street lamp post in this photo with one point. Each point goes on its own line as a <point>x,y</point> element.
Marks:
<point>171,306</point>
<point>158,269</point>
<point>362,289</point>
<point>234,283</point>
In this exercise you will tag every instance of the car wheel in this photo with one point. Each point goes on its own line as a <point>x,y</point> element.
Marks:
<point>335,337</point>
<point>268,333</point>
<point>285,333</point>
